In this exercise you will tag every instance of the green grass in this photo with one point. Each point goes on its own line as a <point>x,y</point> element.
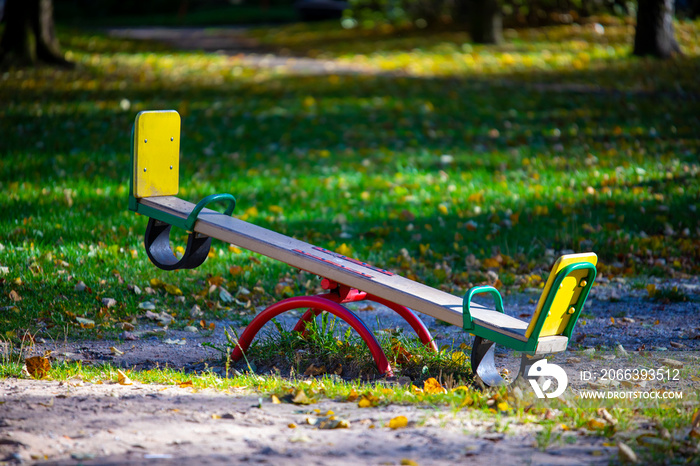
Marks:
<point>326,348</point>
<point>557,140</point>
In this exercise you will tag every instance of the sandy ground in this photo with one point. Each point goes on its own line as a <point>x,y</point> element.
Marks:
<point>61,423</point>
<point>80,423</point>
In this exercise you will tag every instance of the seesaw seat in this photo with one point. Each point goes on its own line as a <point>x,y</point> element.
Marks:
<point>154,189</point>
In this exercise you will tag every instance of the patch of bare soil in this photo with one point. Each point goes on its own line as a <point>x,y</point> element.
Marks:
<point>80,423</point>
<point>67,423</point>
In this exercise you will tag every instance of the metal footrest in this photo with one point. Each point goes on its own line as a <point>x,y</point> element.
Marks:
<point>484,365</point>
<point>158,248</point>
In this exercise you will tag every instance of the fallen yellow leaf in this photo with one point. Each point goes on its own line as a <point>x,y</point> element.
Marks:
<point>333,423</point>
<point>157,283</point>
<point>344,249</point>
<point>368,400</point>
<point>596,424</point>
<point>275,400</point>
<point>432,386</point>
<point>300,398</point>
<point>490,263</point>
<point>398,422</point>
<point>122,379</point>
<point>186,384</point>
<point>172,289</point>
<point>364,403</point>
<point>38,366</point>
<point>651,290</point>
<point>352,396</point>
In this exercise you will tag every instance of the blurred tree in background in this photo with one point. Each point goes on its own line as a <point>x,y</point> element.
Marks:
<point>654,35</point>
<point>30,36</point>
<point>485,18</point>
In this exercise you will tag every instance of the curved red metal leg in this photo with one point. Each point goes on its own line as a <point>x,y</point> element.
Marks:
<point>413,320</point>
<point>313,302</point>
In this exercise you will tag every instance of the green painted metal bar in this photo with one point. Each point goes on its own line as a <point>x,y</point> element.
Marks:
<point>466,313</point>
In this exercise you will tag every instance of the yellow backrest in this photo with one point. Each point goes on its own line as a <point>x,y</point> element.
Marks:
<point>566,296</point>
<point>156,153</point>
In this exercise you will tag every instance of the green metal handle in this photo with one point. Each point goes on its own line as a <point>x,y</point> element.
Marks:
<point>192,218</point>
<point>468,323</point>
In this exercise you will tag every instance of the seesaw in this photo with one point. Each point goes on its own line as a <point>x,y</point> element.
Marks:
<point>153,190</point>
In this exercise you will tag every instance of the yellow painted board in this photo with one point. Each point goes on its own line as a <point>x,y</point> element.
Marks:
<point>156,153</point>
<point>566,296</point>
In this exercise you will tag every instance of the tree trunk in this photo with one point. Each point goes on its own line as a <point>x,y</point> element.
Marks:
<point>654,34</point>
<point>30,36</point>
<point>485,21</point>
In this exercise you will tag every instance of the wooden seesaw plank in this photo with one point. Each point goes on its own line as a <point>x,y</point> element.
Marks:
<point>341,269</point>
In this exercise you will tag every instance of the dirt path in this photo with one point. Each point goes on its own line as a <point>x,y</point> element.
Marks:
<point>76,422</point>
<point>65,423</point>
<point>233,41</point>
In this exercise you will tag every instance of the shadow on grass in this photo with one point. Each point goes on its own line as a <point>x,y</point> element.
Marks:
<point>505,144</point>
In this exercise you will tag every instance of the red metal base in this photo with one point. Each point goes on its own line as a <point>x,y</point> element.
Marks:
<point>408,315</point>
<point>331,302</point>
<point>320,303</point>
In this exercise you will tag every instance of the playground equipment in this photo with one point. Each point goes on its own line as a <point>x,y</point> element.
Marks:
<point>153,191</point>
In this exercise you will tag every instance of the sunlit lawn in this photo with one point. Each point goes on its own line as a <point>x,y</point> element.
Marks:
<point>443,162</point>
<point>461,160</point>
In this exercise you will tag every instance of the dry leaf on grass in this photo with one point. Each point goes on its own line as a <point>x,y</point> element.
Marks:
<point>122,379</point>
<point>596,424</point>
<point>38,366</point>
<point>368,401</point>
<point>627,455</point>
<point>432,386</point>
<point>85,323</point>
<point>602,412</point>
<point>301,398</point>
<point>352,396</point>
<point>314,370</point>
